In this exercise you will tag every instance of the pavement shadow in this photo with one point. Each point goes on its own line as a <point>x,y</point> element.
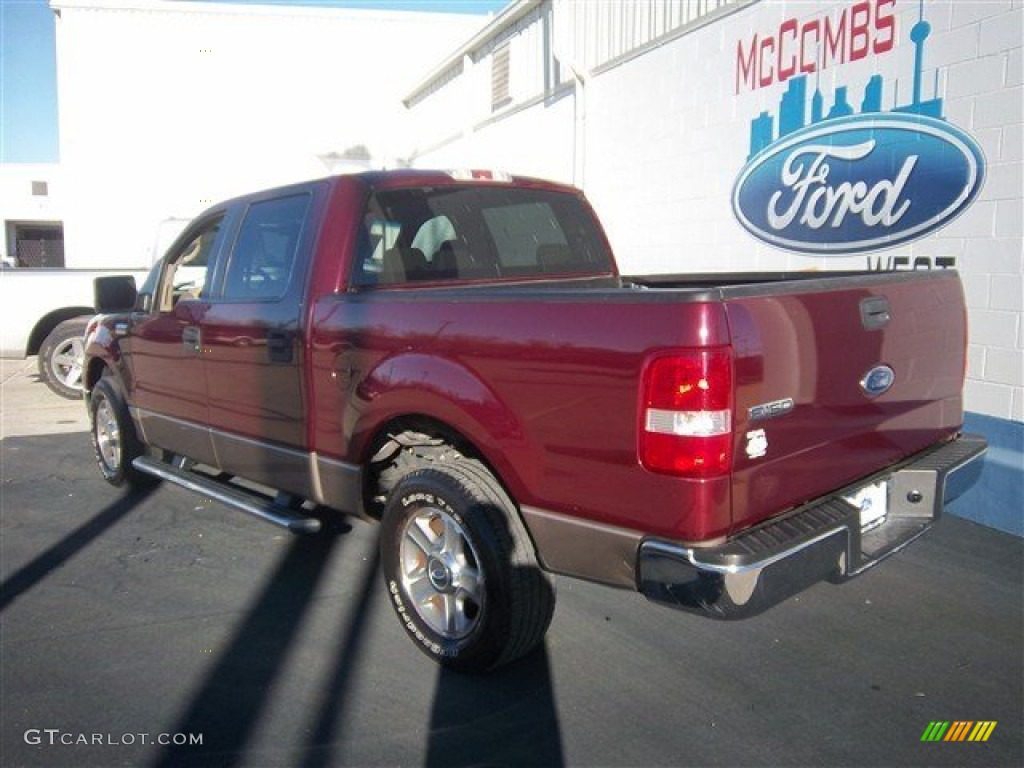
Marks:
<point>508,716</point>
<point>35,571</point>
<point>327,733</point>
<point>505,718</point>
<point>235,692</point>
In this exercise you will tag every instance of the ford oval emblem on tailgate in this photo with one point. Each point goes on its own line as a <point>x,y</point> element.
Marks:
<point>878,380</point>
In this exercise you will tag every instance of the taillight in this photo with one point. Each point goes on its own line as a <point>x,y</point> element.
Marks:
<point>686,413</point>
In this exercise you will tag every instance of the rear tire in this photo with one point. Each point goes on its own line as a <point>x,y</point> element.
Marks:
<point>60,358</point>
<point>115,444</point>
<point>460,568</point>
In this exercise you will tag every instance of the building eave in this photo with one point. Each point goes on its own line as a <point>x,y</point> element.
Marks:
<point>242,9</point>
<point>511,15</point>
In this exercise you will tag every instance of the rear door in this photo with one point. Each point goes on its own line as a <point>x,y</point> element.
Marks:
<point>836,379</point>
<point>253,349</point>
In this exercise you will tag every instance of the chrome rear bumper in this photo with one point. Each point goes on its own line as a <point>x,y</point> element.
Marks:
<point>822,540</point>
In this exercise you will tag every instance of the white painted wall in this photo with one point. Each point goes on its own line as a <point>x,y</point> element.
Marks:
<point>665,134</point>
<point>166,107</point>
<point>537,141</point>
<point>17,203</point>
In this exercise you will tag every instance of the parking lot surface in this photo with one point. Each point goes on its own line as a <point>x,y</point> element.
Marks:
<point>130,620</point>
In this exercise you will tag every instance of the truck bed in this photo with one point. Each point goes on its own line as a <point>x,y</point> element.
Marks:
<point>543,376</point>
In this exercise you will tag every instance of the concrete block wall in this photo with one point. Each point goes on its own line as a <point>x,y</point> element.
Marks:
<point>981,52</point>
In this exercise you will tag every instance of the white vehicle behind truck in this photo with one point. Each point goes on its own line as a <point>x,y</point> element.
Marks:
<point>44,312</point>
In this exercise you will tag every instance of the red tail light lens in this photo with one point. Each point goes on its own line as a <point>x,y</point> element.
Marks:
<point>686,413</point>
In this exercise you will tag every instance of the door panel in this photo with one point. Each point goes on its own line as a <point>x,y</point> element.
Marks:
<point>170,385</point>
<point>168,380</point>
<point>253,355</point>
<point>254,384</point>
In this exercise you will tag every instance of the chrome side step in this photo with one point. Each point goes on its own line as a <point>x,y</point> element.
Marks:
<point>234,496</point>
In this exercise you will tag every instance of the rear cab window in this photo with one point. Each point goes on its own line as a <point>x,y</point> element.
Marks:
<point>458,233</point>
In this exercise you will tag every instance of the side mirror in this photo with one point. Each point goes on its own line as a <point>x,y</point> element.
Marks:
<point>114,294</point>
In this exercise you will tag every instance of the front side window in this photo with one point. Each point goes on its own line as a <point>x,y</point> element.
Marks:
<point>187,270</point>
<point>466,233</point>
<point>261,262</point>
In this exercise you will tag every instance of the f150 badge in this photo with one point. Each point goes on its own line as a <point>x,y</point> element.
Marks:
<point>770,410</point>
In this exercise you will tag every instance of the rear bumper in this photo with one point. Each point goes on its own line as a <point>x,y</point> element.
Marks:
<point>820,541</point>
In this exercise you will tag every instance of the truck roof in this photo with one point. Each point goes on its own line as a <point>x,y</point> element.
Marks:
<point>417,177</point>
<point>409,177</point>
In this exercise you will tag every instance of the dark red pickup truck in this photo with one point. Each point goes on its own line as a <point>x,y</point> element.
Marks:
<point>457,356</point>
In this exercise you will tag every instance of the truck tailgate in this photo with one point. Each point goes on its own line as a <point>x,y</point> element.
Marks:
<point>813,358</point>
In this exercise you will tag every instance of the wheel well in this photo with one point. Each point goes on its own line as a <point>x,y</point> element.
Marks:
<point>404,444</point>
<point>93,373</point>
<point>48,322</point>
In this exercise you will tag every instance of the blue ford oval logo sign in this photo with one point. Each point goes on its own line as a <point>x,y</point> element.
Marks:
<point>858,183</point>
<point>878,380</point>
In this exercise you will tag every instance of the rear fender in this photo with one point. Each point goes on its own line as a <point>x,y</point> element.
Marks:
<point>445,391</point>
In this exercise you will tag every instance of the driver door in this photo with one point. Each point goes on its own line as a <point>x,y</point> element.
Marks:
<point>168,378</point>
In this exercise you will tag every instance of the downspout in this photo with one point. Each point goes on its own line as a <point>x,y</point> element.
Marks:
<point>580,79</point>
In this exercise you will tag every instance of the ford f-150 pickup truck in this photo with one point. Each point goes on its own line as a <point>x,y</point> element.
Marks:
<point>458,357</point>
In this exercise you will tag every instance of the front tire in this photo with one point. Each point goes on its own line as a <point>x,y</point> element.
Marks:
<point>460,568</point>
<point>60,358</point>
<point>115,444</point>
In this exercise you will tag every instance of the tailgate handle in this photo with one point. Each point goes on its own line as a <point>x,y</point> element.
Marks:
<point>874,313</point>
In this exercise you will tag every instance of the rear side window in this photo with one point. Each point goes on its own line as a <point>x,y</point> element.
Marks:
<point>467,233</point>
<point>261,262</point>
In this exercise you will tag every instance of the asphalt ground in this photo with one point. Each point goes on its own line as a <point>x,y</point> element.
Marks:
<point>127,619</point>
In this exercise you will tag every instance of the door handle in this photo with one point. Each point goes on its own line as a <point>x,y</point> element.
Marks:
<point>280,345</point>
<point>191,339</point>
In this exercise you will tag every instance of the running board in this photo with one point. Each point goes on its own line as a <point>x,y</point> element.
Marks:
<point>238,498</point>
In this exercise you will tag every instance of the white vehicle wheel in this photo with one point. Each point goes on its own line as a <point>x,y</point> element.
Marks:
<point>60,359</point>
